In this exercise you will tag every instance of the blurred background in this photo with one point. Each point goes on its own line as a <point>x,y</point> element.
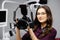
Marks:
<point>53,4</point>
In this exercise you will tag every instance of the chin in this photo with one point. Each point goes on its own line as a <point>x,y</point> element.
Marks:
<point>42,21</point>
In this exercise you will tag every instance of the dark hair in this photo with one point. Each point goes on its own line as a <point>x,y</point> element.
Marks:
<point>49,19</point>
<point>49,16</point>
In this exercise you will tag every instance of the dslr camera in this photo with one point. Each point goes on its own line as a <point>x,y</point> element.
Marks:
<point>24,21</point>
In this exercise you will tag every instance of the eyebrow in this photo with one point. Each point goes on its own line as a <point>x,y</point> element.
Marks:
<point>41,12</point>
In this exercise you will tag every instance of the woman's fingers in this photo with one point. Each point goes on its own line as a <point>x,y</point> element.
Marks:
<point>16,20</point>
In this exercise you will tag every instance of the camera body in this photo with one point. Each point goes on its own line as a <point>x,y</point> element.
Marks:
<point>23,23</point>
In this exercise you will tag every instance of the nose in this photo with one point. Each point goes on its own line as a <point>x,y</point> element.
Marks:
<point>40,16</point>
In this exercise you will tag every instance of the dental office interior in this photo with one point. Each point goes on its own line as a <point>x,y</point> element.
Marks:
<point>7,32</point>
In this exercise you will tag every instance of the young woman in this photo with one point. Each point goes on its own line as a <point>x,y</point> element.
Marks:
<point>43,29</point>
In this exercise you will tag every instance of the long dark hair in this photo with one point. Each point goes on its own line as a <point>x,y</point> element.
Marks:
<point>49,19</point>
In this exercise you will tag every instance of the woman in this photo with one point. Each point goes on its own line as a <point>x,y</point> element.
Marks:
<point>43,29</point>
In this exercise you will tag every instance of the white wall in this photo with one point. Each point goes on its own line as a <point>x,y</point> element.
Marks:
<point>55,7</point>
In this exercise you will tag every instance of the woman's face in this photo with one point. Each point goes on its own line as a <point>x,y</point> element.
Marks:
<point>41,15</point>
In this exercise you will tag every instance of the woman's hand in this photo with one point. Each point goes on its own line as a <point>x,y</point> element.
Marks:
<point>18,36</point>
<point>32,35</point>
<point>16,20</point>
<point>29,28</point>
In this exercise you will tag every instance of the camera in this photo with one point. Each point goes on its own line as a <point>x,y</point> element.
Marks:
<point>22,24</point>
<point>24,21</point>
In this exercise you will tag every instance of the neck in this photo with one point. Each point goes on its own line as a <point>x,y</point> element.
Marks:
<point>43,25</point>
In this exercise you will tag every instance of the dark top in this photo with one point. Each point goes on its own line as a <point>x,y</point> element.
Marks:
<point>38,31</point>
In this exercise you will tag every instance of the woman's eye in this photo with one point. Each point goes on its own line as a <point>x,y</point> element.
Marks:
<point>41,13</point>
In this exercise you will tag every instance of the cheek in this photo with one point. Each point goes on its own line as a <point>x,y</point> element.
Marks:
<point>42,18</point>
<point>45,18</point>
<point>38,17</point>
